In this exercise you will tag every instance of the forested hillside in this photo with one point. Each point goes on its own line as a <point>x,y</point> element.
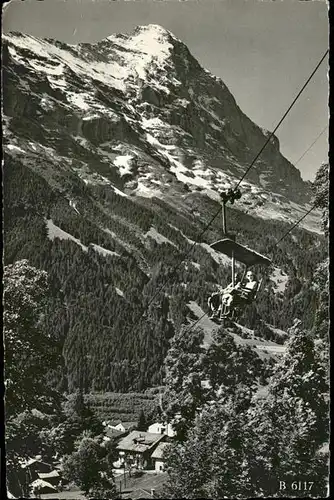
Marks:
<point>102,285</point>
<point>109,182</point>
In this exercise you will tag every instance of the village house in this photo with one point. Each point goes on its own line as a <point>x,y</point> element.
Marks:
<point>110,434</point>
<point>40,487</point>
<point>136,448</point>
<point>34,466</point>
<point>122,426</point>
<point>27,474</point>
<point>157,457</point>
<point>52,477</point>
<point>162,428</point>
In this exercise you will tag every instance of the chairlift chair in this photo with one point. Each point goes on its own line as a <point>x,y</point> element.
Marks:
<point>240,253</point>
<point>249,258</point>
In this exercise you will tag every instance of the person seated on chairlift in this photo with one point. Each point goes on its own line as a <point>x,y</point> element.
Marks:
<point>245,292</point>
<point>215,301</point>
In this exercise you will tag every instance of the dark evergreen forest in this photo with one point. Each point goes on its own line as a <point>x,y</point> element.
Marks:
<point>98,311</point>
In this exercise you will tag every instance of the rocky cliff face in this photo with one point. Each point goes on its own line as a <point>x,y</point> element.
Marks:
<point>137,112</point>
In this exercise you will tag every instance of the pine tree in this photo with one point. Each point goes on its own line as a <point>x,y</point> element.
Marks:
<point>32,406</point>
<point>300,375</point>
<point>229,367</point>
<point>142,425</point>
<point>321,194</point>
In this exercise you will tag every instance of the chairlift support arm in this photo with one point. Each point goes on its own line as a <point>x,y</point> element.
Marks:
<point>229,195</point>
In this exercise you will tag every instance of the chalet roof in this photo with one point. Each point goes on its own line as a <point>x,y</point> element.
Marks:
<point>40,483</point>
<point>113,422</point>
<point>113,432</point>
<point>128,425</point>
<point>48,475</point>
<point>139,442</point>
<point>162,424</point>
<point>139,493</point>
<point>35,461</point>
<point>158,452</point>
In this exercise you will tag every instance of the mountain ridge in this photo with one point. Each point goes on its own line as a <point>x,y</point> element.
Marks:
<point>158,116</point>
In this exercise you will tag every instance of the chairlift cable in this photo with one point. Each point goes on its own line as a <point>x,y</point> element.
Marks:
<point>176,267</point>
<point>199,319</point>
<point>311,146</point>
<point>283,118</point>
<point>294,225</point>
<point>196,322</point>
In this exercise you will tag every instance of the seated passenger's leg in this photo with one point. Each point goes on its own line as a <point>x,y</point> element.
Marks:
<point>214,303</point>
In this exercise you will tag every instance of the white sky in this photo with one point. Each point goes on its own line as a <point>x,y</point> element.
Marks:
<point>263,50</point>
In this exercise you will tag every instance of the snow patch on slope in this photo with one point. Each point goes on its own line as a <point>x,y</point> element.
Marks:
<point>14,148</point>
<point>159,238</point>
<point>146,191</point>
<point>79,100</point>
<point>113,73</point>
<point>55,232</point>
<point>119,292</point>
<point>149,45</point>
<point>124,164</point>
<point>103,251</point>
<point>116,190</point>
<point>218,257</point>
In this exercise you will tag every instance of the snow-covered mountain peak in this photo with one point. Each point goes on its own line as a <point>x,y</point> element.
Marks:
<point>142,51</point>
<point>149,31</point>
<point>150,38</point>
<point>140,105</point>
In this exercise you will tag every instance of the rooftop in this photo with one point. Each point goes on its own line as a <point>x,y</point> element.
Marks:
<point>48,475</point>
<point>140,487</point>
<point>126,425</point>
<point>109,432</point>
<point>139,441</point>
<point>159,451</point>
<point>40,483</point>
